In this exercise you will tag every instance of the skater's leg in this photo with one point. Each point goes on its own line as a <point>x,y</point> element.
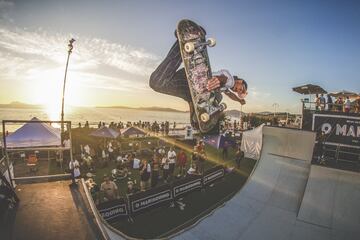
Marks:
<point>166,79</point>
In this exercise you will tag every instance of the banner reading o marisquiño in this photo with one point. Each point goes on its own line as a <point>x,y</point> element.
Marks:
<point>339,129</point>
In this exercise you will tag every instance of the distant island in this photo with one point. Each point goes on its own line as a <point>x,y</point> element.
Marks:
<point>159,109</point>
<point>21,105</point>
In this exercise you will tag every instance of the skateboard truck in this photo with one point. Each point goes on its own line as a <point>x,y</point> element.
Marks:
<point>204,117</point>
<point>189,47</point>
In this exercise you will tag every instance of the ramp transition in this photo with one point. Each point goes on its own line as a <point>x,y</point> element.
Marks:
<point>284,199</point>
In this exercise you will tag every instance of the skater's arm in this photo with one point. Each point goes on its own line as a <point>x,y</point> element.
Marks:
<point>216,82</point>
<point>221,78</point>
<point>235,97</point>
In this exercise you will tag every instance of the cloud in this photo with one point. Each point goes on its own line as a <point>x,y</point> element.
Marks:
<point>95,63</point>
<point>89,53</point>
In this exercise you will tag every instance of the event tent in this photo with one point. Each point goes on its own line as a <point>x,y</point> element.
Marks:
<point>132,131</point>
<point>105,132</point>
<point>34,134</point>
<point>251,142</point>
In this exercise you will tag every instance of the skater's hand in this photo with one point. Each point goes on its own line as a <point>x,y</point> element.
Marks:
<point>215,82</point>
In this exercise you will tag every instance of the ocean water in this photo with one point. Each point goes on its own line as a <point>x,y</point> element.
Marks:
<point>93,115</point>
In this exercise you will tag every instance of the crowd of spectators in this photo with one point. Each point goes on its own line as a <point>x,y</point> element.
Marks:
<point>340,104</point>
<point>163,165</point>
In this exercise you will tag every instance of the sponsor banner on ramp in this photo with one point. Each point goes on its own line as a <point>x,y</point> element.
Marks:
<point>186,185</point>
<point>149,199</point>
<point>113,210</point>
<point>213,174</point>
<point>339,129</point>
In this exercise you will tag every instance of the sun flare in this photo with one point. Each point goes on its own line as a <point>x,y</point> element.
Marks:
<point>47,89</point>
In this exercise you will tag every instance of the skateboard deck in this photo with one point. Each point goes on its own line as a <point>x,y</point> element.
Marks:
<point>193,48</point>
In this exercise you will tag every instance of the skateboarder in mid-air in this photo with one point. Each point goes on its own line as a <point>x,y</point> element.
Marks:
<point>169,80</point>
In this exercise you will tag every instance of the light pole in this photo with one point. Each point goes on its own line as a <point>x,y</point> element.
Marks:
<point>275,105</point>
<point>70,48</point>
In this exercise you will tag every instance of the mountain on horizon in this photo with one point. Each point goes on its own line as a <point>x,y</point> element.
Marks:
<point>17,104</point>
<point>154,108</point>
<point>235,113</point>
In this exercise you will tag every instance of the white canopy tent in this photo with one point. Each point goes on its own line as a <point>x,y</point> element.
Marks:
<point>34,134</point>
<point>251,142</point>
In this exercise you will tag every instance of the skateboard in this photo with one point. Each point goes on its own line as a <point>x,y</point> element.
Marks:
<point>193,48</point>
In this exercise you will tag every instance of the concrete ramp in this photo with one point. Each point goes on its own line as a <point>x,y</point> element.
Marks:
<point>331,201</point>
<point>287,198</point>
<point>267,206</point>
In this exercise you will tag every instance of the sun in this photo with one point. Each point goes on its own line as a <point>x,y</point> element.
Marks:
<point>46,89</point>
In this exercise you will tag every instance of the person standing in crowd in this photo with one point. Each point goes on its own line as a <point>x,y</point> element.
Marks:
<point>322,102</point>
<point>339,104</point>
<point>87,149</point>
<point>135,162</point>
<point>194,157</point>
<point>109,189</point>
<point>317,102</point>
<point>72,165</point>
<point>181,161</point>
<point>225,150</point>
<point>104,157</point>
<point>145,173</point>
<point>172,161</point>
<point>201,161</point>
<point>165,168</point>
<point>155,170</point>
<point>239,156</point>
<point>329,103</point>
<point>357,104</point>
<point>110,151</point>
<point>162,151</point>
<point>347,105</point>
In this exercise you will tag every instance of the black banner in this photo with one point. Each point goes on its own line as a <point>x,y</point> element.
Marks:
<point>186,185</point>
<point>213,174</point>
<point>339,129</point>
<point>149,199</point>
<point>113,210</point>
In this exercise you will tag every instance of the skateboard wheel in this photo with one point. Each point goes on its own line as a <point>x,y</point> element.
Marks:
<point>205,117</point>
<point>223,106</point>
<point>189,47</point>
<point>211,42</point>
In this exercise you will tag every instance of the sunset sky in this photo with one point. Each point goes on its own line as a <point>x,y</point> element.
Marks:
<point>274,45</point>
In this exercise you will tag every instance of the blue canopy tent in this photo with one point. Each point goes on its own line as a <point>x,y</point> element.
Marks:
<point>34,134</point>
